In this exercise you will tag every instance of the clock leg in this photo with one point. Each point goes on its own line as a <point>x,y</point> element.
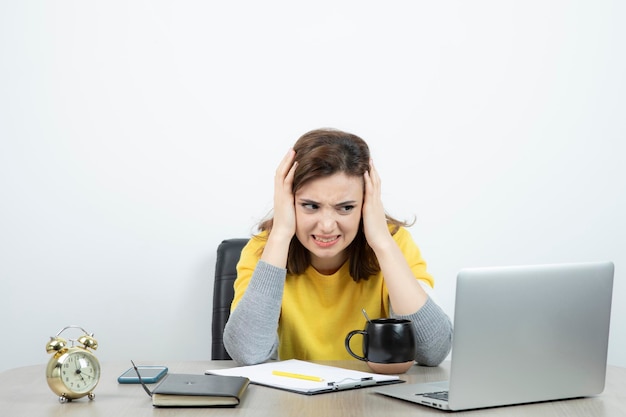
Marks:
<point>91,395</point>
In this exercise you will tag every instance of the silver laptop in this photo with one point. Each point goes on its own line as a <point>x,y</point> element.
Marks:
<point>523,334</point>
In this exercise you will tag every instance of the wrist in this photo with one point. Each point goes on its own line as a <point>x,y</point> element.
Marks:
<point>280,236</point>
<point>381,244</point>
<point>276,249</point>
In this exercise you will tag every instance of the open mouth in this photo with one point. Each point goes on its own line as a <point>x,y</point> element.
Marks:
<point>325,240</point>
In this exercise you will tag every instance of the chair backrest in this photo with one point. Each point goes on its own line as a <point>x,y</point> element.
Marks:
<point>228,253</point>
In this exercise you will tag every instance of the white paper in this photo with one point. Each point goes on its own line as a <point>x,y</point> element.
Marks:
<point>334,378</point>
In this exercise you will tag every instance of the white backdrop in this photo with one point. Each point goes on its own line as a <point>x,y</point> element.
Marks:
<point>136,135</point>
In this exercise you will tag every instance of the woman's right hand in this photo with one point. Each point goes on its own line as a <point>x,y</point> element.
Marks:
<point>284,226</point>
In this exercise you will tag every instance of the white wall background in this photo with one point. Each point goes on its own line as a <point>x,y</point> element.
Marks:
<point>136,135</point>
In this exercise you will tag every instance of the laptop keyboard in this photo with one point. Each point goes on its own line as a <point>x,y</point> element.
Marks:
<point>441,395</point>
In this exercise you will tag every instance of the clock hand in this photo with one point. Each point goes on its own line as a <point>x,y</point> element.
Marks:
<point>90,375</point>
<point>79,371</point>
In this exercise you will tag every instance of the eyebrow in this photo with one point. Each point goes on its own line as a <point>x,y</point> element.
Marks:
<point>341,204</point>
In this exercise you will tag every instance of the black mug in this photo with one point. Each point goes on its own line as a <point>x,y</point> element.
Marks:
<point>388,345</point>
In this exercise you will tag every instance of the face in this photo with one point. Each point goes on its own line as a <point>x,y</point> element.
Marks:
<point>80,373</point>
<point>328,213</point>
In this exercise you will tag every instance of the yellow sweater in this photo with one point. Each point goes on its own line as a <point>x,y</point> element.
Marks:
<point>318,311</point>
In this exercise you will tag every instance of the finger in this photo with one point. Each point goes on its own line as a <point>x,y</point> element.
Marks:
<point>374,173</point>
<point>291,173</point>
<point>286,163</point>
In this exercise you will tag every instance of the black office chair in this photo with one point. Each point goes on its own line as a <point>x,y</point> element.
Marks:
<point>228,253</point>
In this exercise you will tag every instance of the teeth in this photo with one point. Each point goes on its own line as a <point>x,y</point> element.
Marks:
<point>325,240</point>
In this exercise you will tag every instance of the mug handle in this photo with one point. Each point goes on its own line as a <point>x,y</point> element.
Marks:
<point>348,337</point>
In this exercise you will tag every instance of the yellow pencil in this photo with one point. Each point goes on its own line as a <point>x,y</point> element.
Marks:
<point>298,376</point>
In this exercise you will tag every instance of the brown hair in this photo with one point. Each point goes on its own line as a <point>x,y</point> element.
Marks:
<point>321,153</point>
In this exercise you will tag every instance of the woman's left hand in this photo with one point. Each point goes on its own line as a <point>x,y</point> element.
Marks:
<point>374,219</point>
<point>405,293</point>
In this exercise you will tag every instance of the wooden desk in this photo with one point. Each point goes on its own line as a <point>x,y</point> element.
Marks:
<point>25,393</point>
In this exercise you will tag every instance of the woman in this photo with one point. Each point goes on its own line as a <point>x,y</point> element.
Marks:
<point>329,251</point>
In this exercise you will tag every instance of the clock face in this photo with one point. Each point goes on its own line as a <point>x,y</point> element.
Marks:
<point>80,371</point>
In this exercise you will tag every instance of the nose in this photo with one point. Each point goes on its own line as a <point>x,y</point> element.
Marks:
<point>327,221</point>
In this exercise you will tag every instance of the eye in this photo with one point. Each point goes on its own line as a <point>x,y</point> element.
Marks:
<point>346,208</point>
<point>310,206</point>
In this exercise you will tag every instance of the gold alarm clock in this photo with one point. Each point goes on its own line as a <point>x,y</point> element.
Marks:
<point>72,372</point>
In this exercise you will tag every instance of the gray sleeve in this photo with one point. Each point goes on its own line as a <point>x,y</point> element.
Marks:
<point>250,335</point>
<point>433,331</point>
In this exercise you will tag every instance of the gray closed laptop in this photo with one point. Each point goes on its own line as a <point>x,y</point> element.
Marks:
<point>523,334</point>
